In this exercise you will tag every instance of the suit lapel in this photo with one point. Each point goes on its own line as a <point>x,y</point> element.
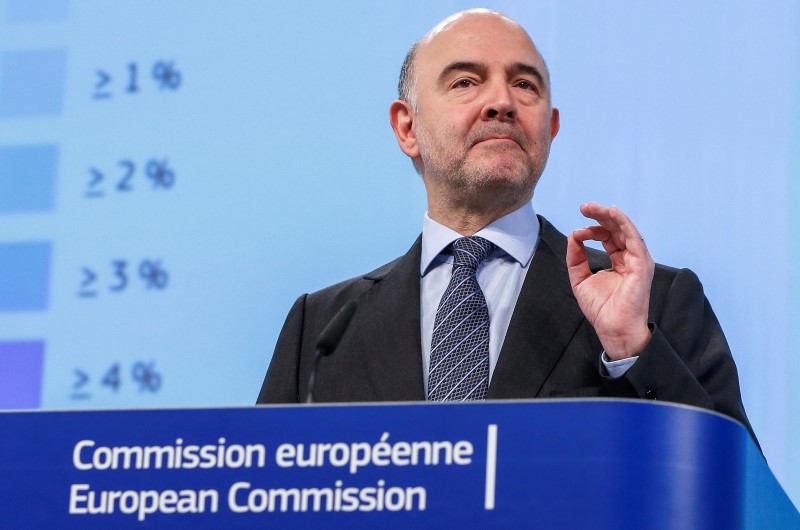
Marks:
<point>545,319</point>
<point>389,329</point>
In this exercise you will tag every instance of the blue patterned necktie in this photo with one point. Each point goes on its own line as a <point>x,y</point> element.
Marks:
<point>459,364</point>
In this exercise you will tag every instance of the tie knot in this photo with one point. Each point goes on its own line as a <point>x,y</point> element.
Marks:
<point>470,251</point>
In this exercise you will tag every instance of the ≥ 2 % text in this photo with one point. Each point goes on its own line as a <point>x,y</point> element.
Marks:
<point>127,177</point>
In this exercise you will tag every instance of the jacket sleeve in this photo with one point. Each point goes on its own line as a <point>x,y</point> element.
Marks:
<point>281,384</point>
<point>687,359</point>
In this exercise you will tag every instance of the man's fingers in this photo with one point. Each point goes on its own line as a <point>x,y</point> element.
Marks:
<point>626,226</point>
<point>595,233</point>
<point>577,263</point>
<point>601,214</point>
<point>598,233</point>
<point>623,232</point>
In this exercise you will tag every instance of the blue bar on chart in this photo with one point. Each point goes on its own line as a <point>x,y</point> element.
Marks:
<point>25,278</point>
<point>21,374</point>
<point>32,83</point>
<point>27,178</point>
<point>32,11</point>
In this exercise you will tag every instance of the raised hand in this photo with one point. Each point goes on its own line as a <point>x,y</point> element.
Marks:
<point>616,300</point>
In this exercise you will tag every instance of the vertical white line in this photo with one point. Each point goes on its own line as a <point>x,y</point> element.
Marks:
<point>491,466</point>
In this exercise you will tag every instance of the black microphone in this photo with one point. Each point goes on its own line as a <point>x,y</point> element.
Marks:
<point>329,339</point>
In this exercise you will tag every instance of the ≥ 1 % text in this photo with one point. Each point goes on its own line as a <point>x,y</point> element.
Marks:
<point>163,75</point>
<point>120,276</point>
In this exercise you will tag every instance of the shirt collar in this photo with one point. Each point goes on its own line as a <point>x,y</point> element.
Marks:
<point>515,234</point>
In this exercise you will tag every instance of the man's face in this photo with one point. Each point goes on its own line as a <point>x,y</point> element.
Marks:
<point>483,121</point>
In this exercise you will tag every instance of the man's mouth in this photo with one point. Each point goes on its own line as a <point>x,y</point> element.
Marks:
<point>497,139</point>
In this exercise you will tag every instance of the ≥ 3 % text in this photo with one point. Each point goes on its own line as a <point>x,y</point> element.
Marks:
<point>118,277</point>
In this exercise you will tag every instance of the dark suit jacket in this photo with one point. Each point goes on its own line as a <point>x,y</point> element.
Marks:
<point>550,349</point>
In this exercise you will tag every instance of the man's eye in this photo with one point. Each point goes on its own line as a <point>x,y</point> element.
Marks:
<point>527,85</point>
<point>463,83</point>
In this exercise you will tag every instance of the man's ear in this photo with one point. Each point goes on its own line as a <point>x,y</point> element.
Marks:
<point>401,116</point>
<point>555,123</point>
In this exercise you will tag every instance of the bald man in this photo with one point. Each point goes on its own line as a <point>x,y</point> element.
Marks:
<point>492,302</point>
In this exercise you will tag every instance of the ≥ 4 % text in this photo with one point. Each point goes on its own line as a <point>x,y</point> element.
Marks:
<point>142,375</point>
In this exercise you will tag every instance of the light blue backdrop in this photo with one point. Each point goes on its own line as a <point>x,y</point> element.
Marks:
<point>273,121</point>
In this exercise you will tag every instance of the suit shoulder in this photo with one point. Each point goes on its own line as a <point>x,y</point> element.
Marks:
<point>670,281</point>
<point>340,293</point>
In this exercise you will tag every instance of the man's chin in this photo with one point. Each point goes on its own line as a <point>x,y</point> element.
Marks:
<point>503,159</point>
<point>500,184</point>
<point>506,172</point>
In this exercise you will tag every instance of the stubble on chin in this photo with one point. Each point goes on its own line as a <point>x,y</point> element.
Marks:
<point>500,180</point>
<point>472,174</point>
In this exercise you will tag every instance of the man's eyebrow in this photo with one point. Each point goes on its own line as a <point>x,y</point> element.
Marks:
<point>528,69</point>
<point>461,66</point>
<point>480,68</point>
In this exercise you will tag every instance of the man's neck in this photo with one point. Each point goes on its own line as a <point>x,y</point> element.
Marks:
<point>468,219</point>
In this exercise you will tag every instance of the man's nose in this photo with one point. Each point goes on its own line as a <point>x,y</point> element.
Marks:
<point>499,103</point>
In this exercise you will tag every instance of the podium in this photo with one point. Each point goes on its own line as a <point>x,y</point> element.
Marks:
<point>548,464</point>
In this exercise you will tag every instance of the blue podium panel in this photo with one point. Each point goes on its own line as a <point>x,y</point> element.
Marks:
<point>544,464</point>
